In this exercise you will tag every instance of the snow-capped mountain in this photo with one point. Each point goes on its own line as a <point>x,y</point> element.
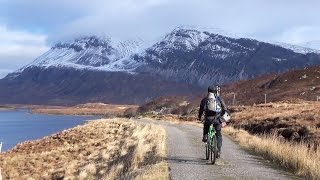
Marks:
<point>130,71</point>
<point>202,58</point>
<point>179,52</point>
<point>95,53</point>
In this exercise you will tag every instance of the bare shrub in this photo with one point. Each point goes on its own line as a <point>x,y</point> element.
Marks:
<point>162,102</point>
<point>129,113</point>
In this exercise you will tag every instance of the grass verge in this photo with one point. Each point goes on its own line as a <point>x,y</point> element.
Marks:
<point>297,157</point>
<point>102,149</point>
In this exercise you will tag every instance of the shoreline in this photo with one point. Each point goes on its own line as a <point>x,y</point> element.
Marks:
<point>93,150</point>
<point>59,123</point>
<point>40,138</point>
<point>6,108</point>
<point>49,135</point>
<point>88,109</point>
<point>31,111</point>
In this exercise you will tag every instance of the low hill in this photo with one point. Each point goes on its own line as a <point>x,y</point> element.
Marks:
<point>292,86</point>
<point>69,87</point>
<point>296,85</point>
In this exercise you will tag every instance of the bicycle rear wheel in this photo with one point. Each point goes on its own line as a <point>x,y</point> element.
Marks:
<point>214,150</point>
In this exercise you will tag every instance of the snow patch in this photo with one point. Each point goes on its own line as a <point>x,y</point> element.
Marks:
<point>279,59</point>
<point>192,63</point>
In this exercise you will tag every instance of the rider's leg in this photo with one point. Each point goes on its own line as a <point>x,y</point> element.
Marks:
<point>206,126</point>
<point>219,135</point>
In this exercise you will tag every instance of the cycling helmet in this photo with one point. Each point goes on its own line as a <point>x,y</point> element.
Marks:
<point>212,89</point>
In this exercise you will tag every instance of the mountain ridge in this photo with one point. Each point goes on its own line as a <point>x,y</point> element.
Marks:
<point>120,55</point>
<point>184,59</point>
<point>231,58</point>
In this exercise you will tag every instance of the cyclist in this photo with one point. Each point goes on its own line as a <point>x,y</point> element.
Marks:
<point>213,116</point>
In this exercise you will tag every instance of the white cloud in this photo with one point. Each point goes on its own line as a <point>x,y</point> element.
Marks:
<point>63,20</point>
<point>290,21</point>
<point>264,20</point>
<point>18,48</point>
<point>4,72</point>
<point>10,36</point>
<point>300,35</point>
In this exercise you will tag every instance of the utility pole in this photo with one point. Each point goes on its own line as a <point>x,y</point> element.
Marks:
<point>265,98</point>
<point>318,97</point>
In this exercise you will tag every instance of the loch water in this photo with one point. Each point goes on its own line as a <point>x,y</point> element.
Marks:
<point>20,125</point>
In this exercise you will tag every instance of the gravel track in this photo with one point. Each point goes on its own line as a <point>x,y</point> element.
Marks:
<point>186,158</point>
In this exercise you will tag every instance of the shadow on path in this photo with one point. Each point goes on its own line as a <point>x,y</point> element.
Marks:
<point>188,160</point>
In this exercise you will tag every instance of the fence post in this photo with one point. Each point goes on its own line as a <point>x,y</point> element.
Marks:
<point>234,98</point>
<point>265,98</point>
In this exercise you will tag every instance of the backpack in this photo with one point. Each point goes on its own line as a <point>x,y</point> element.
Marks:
<point>212,103</point>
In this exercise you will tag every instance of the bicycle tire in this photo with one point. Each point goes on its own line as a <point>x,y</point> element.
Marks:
<point>215,147</point>
<point>207,149</point>
<point>214,150</point>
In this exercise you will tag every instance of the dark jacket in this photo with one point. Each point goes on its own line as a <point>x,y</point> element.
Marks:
<point>211,115</point>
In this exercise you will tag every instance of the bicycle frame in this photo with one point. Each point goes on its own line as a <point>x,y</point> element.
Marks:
<point>211,145</point>
<point>211,134</point>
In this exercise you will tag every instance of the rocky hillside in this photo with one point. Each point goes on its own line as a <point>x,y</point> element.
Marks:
<point>302,84</point>
<point>296,86</point>
<point>68,86</point>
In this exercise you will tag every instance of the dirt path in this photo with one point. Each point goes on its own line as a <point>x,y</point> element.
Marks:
<point>186,158</point>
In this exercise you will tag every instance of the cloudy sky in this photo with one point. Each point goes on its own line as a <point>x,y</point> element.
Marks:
<point>29,27</point>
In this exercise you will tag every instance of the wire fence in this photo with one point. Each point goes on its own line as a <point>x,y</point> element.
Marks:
<point>232,99</point>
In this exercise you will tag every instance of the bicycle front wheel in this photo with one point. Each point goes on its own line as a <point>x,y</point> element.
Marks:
<point>207,150</point>
<point>214,150</point>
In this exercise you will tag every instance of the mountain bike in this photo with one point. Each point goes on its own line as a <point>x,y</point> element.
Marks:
<point>211,145</point>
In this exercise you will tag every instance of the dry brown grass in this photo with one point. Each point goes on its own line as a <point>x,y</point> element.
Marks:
<point>87,109</point>
<point>102,149</point>
<point>297,157</point>
<point>295,122</point>
<point>299,111</point>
